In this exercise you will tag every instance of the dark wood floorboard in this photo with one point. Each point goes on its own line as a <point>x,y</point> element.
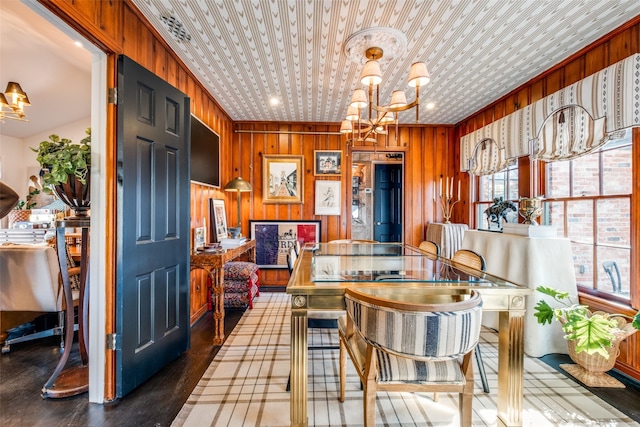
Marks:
<point>28,366</point>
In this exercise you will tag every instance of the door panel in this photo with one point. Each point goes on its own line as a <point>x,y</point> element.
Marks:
<point>387,221</point>
<point>152,295</point>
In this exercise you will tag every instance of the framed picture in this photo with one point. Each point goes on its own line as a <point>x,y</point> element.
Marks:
<point>327,197</point>
<point>199,237</point>
<point>282,178</point>
<point>218,219</point>
<point>327,162</point>
<point>275,238</point>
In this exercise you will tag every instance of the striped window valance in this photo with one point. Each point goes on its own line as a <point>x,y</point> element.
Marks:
<point>610,98</point>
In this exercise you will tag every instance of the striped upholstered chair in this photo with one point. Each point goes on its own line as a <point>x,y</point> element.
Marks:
<point>430,349</point>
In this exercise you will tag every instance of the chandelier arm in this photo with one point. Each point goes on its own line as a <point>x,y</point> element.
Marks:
<point>415,103</point>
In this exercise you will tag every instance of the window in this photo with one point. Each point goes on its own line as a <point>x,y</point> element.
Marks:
<point>500,184</point>
<point>588,199</point>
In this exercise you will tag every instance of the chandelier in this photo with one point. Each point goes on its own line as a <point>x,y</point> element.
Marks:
<point>12,102</point>
<point>366,117</point>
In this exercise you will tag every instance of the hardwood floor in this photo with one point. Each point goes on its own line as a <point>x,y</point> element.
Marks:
<point>157,402</point>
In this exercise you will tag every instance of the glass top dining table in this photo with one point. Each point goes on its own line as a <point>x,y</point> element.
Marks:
<point>323,272</point>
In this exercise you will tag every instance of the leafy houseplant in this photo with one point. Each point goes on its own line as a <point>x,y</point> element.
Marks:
<point>66,168</point>
<point>593,337</point>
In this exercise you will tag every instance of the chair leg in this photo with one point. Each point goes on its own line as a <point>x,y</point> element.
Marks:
<point>465,397</point>
<point>483,376</point>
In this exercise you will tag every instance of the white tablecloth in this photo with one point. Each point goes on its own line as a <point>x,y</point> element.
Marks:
<point>447,236</point>
<point>529,261</point>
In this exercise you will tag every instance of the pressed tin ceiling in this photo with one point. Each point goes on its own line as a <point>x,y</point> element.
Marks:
<point>247,52</point>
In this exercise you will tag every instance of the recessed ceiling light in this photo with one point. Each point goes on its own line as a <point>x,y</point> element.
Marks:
<point>78,43</point>
<point>275,101</point>
<point>431,105</point>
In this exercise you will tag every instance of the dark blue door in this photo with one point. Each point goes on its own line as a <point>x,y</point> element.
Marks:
<point>387,196</point>
<point>152,290</point>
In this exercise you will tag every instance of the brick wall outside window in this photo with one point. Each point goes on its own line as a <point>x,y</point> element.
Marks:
<point>594,189</point>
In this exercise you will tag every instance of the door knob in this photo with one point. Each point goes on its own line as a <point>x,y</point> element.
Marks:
<point>378,223</point>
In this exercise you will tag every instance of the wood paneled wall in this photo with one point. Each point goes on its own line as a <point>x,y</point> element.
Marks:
<point>610,49</point>
<point>428,150</point>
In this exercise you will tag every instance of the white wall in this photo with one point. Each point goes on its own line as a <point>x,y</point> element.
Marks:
<point>12,163</point>
<point>18,161</point>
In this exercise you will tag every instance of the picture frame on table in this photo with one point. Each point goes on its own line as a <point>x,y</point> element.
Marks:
<point>328,195</point>
<point>199,237</point>
<point>275,238</point>
<point>327,162</point>
<point>218,220</point>
<point>282,178</point>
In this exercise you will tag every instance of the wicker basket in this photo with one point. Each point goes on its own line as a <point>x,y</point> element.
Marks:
<point>18,216</point>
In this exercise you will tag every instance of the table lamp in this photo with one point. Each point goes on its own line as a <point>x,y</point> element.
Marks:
<point>240,186</point>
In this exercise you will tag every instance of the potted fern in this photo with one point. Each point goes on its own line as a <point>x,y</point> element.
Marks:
<point>66,168</point>
<point>593,337</point>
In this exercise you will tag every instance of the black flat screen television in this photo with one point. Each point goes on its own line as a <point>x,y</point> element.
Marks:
<point>205,154</point>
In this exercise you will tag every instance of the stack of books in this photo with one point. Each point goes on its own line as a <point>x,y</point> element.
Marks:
<point>232,243</point>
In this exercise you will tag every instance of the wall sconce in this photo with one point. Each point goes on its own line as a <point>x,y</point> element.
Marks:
<point>12,102</point>
<point>238,185</point>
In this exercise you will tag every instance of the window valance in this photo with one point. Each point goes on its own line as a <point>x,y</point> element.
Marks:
<point>604,102</point>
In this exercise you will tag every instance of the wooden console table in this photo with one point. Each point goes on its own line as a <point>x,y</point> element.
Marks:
<point>73,380</point>
<point>213,264</point>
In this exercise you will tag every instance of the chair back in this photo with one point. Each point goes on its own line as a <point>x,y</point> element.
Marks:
<point>292,256</point>
<point>612,270</point>
<point>429,331</point>
<point>470,259</point>
<point>30,278</point>
<point>430,247</point>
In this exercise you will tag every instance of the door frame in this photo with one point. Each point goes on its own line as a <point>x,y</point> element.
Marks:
<point>99,205</point>
<point>369,151</point>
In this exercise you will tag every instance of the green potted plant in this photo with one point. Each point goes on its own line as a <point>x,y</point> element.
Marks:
<point>66,167</point>
<point>593,337</point>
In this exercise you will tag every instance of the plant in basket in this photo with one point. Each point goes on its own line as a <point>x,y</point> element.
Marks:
<point>593,337</point>
<point>66,168</point>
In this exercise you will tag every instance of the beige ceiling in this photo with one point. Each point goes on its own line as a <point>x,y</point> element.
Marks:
<point>246,52</point>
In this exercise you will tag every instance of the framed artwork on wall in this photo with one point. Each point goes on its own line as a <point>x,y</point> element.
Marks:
<point>328,197</point>
<point>218,220</point>
<point>274,239</point>
<point>282,178</point>
<point>327,162</point>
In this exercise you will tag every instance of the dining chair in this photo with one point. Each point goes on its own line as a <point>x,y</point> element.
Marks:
<point>430,247</point>
<point>430,349</point>
<point>469,258</point>
<point>474,260</point>
<point>31,282</point>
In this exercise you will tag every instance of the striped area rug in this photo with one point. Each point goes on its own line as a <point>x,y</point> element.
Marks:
<point>245,385</point>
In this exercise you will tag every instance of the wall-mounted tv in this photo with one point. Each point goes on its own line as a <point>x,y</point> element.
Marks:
<point>205,154</point>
